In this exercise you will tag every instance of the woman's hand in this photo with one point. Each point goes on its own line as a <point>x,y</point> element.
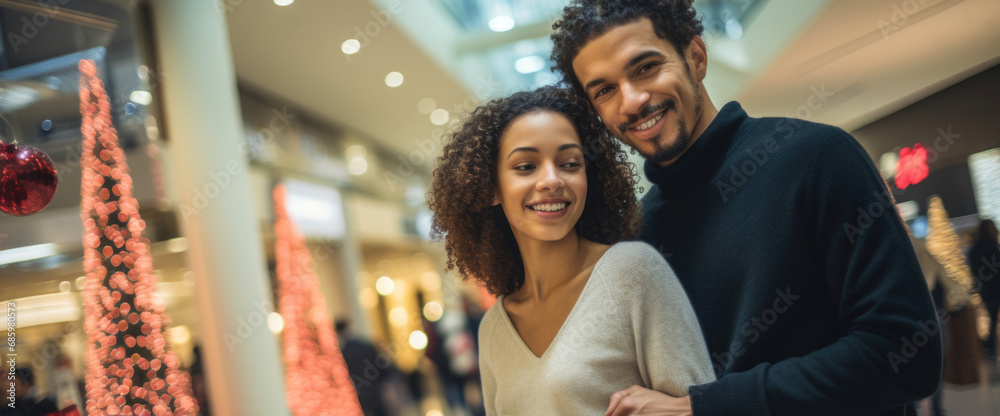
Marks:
<point>638,400</point>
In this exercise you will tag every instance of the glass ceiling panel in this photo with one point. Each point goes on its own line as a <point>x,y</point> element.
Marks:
<point>523,62</point>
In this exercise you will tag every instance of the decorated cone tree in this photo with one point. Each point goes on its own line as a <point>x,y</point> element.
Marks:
<point>316,377</point>
<point>944,244</point>
<point>130,371</point>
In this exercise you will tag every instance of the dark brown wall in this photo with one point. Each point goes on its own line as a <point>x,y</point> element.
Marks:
<point>970,108</point>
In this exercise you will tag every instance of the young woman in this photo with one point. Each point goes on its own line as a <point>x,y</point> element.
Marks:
<point>534,200</point>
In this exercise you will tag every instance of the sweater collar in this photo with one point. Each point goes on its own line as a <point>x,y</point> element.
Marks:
<point>698,159</point>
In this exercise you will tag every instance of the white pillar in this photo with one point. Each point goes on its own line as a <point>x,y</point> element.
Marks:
<point>204,130</point>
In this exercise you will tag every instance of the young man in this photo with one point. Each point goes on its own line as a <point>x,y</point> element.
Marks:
<point>784,236</point>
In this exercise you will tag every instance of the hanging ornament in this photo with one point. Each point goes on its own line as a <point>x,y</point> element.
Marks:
<point>28,179</point>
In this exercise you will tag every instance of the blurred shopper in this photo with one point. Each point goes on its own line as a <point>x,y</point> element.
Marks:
<point>808,293</point>
<point>984,261</point>
<point>371,372</point>
<point>27,400</point>
<point>535,201</point>
<point>948,296</point>
<point>198,382</point>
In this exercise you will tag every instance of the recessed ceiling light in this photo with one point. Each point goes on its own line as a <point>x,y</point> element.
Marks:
<point>394,79</point>
<point>283,2</point>
<point>529,64</point>
<point>357,166</point>
<point>426,105</point>
<point>350,46</point>
<point>439,116</point>
<point>501,23</point>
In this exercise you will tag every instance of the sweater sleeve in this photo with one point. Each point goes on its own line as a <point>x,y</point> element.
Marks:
<point>669,344</point>
<point>891,353</point>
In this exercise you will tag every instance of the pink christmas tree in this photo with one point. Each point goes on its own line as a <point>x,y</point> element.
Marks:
<point>130,370</point>
<point>316,377</point>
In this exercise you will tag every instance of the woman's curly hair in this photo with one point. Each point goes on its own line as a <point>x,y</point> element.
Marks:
<point>584,20</point>
<point>477,236</point>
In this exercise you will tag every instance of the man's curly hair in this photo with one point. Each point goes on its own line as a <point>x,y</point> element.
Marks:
<point>584,20</point>
<point>478,238</point>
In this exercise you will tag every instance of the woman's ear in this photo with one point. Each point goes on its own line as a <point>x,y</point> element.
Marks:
<point>496,197</point>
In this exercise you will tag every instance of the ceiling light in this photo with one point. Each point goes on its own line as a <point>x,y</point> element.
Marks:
<point>433,311</point>
<point>529,64</point>
<point>283,2</point>
<point>384,285</point>
<point>426,105</point>
<point>734,29</point>
<point>418,340</point>
<point>275,322</point>
<point>501,23</point>
<point>357,166</point>
<point>439,116</point>
<point>141,97</point>
<point>177,244</point>
<point>15,255</point>
<point>356,151</point>
<point>350,46</point>
<point>394,79</point>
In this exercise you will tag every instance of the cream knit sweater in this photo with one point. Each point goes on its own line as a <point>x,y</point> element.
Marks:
<point>632,325</point>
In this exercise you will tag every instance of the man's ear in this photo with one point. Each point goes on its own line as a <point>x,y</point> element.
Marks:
<point>697,57</point>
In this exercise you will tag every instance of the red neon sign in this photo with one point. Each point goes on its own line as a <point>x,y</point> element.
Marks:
<point>912,166</point>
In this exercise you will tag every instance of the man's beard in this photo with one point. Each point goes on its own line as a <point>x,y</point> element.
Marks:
<point>670,152</point>
<point>660,152</point>
<point>665,153</point>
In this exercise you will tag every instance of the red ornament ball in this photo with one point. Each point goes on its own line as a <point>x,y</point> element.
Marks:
<point>28,179</point>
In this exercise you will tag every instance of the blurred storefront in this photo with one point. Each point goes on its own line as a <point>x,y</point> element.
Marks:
<point>367,231</point>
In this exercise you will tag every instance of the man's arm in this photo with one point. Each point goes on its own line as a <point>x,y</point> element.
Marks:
<point>891,354</point>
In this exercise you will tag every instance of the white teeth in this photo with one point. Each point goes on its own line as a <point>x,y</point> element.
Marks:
<point>649,123</point>
<point>549,207</point>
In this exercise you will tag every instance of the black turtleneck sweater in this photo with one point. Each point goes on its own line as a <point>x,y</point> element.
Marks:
<point>800,271</point>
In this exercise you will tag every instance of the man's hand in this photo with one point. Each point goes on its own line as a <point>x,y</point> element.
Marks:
<point>638,400</point>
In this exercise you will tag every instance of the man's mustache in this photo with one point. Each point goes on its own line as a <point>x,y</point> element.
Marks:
<point>645,112</point>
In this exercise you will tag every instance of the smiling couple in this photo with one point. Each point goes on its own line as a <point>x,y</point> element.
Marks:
<point>588,321</point>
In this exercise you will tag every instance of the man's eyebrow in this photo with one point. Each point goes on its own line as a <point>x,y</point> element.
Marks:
<point>641,57</point>
<point>593,84</point>
<point>632,62</point>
